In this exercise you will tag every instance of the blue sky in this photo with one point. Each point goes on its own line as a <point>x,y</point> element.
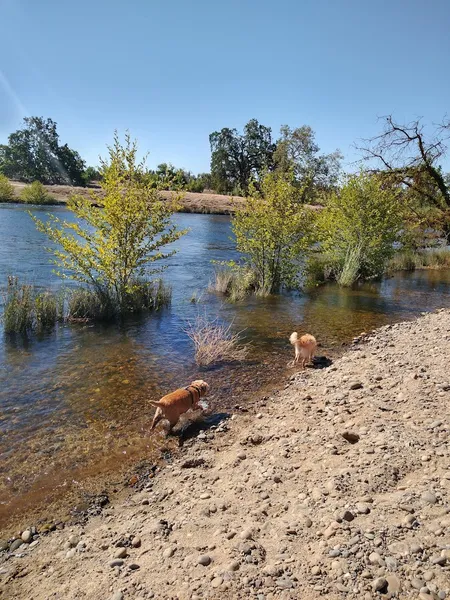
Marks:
<point>174,71</point>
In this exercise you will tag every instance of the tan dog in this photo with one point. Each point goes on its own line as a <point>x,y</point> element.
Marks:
<point>305,347</point>
<point>173,405</point>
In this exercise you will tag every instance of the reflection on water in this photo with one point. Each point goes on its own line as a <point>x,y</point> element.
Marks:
<point>74,402</point>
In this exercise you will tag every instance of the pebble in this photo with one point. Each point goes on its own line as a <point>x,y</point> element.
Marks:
<point>120,553</point>
<point>136,542</point>
<point>204,560</point>
<point>73,541</point>
<point>71,553</point>
<point>169,552</point>
<point>15,545</point>
<point>416,583</point>
<point>117,562</point>
<point>316,570</point>
<point>438,560</point>
<point>217,582</point>
<point>393,584</point>
<point>134,567</point>
<point>233,566</point>
<point>379,584</point>
<point>117,596</point>
<point>3,545</point>
<point>205,496</point>
<point>362,508</point>
<point>429,497</point>
<point>375,559</point>
<point>356,385</point>
<point>285,583</point>
<point>246,534</point>
<point>27,536</point>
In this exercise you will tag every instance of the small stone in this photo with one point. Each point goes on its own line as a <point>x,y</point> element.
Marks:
<point>351,437</point>
<point>205,496</point>
<point>428,575</point>
<point>429,497</point>
<point>117,596</point>
<point>73,541</point>
<point>204,560</point>
<point>380,585</point>
<point>71,553</point>
<point>27,536</point>
<point>233,566</point>
<point>134,567</point>
<point>120,553</point>
<point>145,502</point>
<point>285,583</point>
<point>15,545</point>
<point>316,570</point>
<point>416,583</point>
<point>375,559</point>
<point>393,582</point>
<point>246,534</point>
<point>3,545</point>
<point>217,582</point>
<point>136,542</point>
<point>438,560</point>
<point>348,516</point>
<point>391,563</point>
<point>169,552</point>
<point>117,562</point>
<point>356,385</point>
<point>362,508</point>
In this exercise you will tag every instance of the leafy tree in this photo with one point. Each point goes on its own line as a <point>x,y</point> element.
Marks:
<point>34,154</point>
<point>91,174</point>
<point>297,152</point>
<point>408,157</point>
<point>271,231</point>
<point>358,227</point>
<point>236,158</point>
<point>110,248</point>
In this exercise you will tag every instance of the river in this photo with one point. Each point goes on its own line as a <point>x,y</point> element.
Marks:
<point>73,402</point>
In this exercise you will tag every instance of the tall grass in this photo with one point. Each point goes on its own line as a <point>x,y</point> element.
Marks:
<point>236,283</point>
<point>26,309</point>
<point>350,270</point>
<point>409,260</point>
<point>215,343</point>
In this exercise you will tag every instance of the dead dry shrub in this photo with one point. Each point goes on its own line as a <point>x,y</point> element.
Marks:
<point>215,342</point>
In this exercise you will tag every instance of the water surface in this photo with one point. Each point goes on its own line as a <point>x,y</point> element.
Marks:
<point>73,402</point>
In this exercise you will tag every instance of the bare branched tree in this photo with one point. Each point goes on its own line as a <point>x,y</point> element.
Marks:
<point>412,158</point>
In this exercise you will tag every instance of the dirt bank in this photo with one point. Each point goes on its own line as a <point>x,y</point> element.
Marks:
<point>190,202</point>
<point>336,487</point>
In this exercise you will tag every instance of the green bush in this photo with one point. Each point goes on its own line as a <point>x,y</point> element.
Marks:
<point>36,193</point>
<point>358,228</point>
<point>272,231</point>
<point>236,282</point>
<point>48,310</point>
<point>86,304</point>
<point>6,189</point>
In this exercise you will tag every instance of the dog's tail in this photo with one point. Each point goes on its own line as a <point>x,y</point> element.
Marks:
<point>293,338</point>
<point>153,403</point>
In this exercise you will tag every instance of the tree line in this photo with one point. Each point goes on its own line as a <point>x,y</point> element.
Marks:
<point>238,160</point>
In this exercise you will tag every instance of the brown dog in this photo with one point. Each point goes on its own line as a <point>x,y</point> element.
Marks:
<point>305,346</point>
<point>173,405</point>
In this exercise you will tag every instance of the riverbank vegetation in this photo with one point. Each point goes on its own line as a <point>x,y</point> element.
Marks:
<point>114,253</point>
<point>392,215</point>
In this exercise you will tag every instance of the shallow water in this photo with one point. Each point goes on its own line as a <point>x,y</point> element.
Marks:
<point>73,402</point>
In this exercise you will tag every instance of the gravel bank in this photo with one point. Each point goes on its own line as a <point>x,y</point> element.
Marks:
<point>336,487</point>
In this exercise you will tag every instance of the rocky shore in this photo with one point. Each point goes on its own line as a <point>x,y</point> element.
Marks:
<point>335,487</point>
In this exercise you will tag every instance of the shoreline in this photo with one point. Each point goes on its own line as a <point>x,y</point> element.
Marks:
<point>334,486</point>
<point>197,203</point>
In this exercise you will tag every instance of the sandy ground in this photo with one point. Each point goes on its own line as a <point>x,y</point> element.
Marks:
<point>336,486</point>
<point>189,202</point>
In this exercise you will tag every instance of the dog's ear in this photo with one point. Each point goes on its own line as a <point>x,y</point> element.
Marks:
<point>205,387</point>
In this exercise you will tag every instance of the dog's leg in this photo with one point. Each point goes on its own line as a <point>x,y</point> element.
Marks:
<point>156,418</point>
